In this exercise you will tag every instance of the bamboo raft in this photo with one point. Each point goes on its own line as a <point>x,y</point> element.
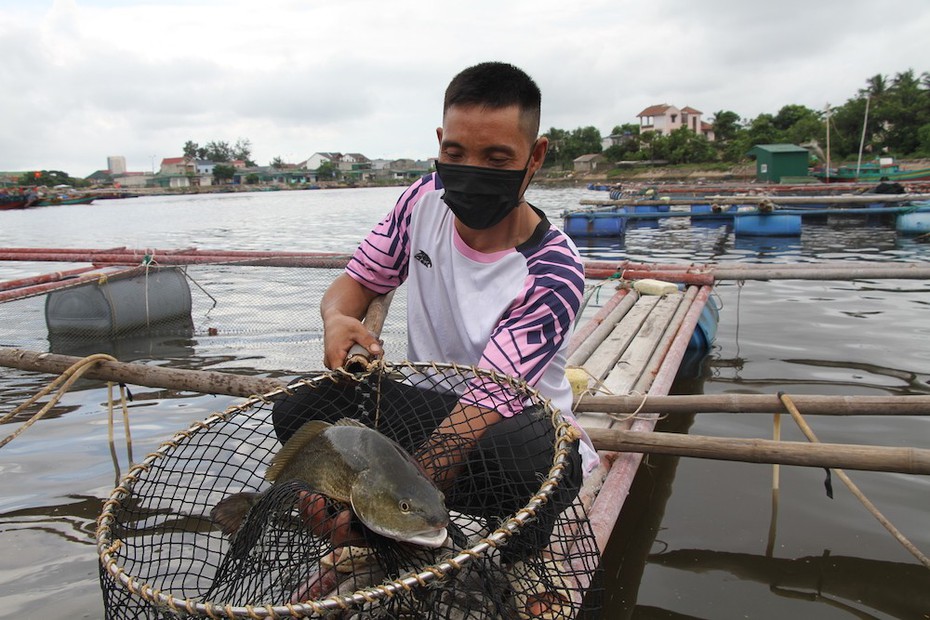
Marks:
<point>631,349</point>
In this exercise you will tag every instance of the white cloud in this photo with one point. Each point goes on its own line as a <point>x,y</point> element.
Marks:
<point>91,78</point>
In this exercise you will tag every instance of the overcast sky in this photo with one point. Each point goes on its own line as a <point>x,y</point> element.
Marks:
<point>84,79</point>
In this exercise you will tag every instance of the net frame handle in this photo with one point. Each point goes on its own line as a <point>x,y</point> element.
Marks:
<point>358,357</point>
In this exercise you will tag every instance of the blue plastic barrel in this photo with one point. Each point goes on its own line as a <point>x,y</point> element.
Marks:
<point>706,331</point>
<point>914,223</point>
<point>595,224</point>
<point>767,225</point>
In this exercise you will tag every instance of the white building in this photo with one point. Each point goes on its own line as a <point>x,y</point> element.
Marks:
<point>664,119</point>
<point>116,164</point>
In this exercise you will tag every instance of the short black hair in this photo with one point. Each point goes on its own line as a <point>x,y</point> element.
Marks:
<point>496,85</point>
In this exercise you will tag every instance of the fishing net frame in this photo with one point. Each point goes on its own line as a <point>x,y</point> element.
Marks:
<point>118,582</point>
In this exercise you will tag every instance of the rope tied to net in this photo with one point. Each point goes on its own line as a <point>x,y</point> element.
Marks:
<point>63,383</point>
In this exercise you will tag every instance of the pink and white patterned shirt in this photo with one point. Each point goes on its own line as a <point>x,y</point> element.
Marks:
<point>510,311</point>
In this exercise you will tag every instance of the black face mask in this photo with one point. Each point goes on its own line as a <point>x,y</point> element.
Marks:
<point>480,197</point>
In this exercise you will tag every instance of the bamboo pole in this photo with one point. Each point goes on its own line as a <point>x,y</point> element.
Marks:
<point>907,460</point>
<point>212,382</point>
<point>328,261</point>
<point>757,198</point>
<point>204,381</point>
<point>848,456</point>
<point>834,405</point>
<point>902,271</point>
<point>911,271</point>
<point>93,275</point>
<point>46,278</point>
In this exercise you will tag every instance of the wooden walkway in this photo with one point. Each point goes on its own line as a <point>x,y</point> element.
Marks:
<point>634,346</point>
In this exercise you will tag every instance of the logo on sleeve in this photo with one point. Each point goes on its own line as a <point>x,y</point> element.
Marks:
<point>423,257</point>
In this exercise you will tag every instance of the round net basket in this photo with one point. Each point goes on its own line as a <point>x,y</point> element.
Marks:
<point>518,534</point>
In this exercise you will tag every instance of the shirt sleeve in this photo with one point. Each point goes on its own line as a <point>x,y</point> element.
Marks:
<point>380,262</point>
<point>537,324</point>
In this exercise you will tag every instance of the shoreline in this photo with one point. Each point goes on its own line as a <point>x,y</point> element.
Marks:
<point>672,175</point>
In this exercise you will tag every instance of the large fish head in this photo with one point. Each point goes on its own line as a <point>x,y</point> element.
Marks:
<point>402,504</point>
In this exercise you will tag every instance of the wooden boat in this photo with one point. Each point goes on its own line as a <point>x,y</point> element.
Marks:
<point>883,169</point>
<point>59,201</point>
<point>17,201</point>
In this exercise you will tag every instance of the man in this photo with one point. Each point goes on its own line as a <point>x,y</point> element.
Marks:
<point>490,283</point>
<point>497,285</point>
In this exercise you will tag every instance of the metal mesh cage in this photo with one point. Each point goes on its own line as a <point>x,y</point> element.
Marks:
<point>518,536</point>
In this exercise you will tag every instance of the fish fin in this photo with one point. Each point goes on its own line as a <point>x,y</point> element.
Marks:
<point>229,512</point>
<point>304,435</point>
<point>349,422</point>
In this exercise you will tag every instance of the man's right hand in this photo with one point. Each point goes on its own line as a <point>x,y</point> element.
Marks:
<point>343,305</point>
<point>340,334</point>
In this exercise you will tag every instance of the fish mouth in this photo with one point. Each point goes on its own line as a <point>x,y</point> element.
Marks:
<point>432,539</point>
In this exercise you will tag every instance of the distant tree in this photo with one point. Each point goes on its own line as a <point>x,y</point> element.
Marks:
<point>565,146</point>
<point>252,179</point>
<point>876,86</point>
<point>726,126</point>
<point>923,139</point>
<point>686,147</point>
<point>223,173</point>
<point>906,109</point>
<point>557,142</point>
<point>792,114</point>
<point>218,151</point>
<point>277,163</point>
<point>243,150</point>
<point>762,130</point>
<point>50,178</point>
<point>190,149</point>
<point>326,172</point>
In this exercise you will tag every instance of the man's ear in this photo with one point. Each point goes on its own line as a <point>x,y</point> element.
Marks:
<point>439,135</point>
<point>539,152</point>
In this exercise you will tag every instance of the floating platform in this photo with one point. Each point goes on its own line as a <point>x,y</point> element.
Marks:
<point>610,219</point>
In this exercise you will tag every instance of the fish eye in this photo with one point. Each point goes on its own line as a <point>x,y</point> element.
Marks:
<point>404,505</point>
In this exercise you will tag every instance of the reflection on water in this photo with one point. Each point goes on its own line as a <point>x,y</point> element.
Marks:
<point>865,337</point>
<point>851,584</point>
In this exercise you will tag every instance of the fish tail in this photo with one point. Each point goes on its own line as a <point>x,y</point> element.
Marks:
<point>230,512</point>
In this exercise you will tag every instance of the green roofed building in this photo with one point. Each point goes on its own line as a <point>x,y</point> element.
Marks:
<point>775,161</point>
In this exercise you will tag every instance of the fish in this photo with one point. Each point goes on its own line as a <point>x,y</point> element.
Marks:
<point>349,462</point>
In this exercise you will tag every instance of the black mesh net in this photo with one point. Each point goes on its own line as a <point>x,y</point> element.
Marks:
<point>329,535</point>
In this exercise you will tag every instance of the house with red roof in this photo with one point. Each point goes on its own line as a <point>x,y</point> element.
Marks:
<point>664,119</point>
<point>177,166</point>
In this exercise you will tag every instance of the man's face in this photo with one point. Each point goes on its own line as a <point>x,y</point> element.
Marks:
<point>486,137</point>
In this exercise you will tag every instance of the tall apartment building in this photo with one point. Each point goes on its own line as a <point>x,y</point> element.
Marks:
<point>116,164</point>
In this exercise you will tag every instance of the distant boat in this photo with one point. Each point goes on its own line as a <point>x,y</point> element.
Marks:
<point>884,169</point>
<point>12,202</point>
<point>58,201</point>
<point>17,201</point>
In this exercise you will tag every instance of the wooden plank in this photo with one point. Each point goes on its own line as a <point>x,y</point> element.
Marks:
<point>606,355</point>
<point>631,365</point>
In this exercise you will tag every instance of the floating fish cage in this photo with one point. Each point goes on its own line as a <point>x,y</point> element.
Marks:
<point>514,531</point>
